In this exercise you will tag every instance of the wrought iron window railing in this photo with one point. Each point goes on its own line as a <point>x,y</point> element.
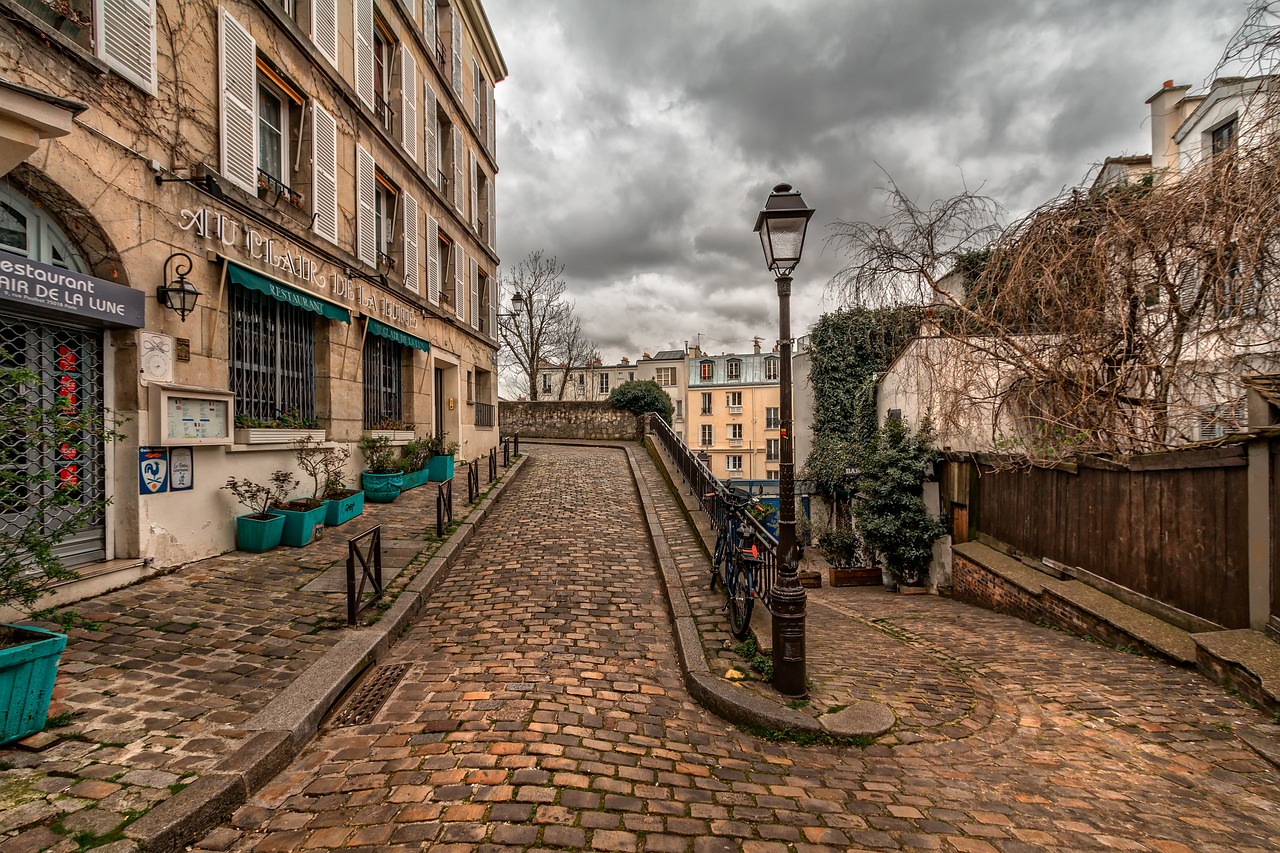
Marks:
<point>383,380</point>
<point>273,356</point>
<point>385,113</point>
<point>486,414</point>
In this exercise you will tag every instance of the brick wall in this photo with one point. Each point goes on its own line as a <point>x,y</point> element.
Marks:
<point>974,584</point>
<point>566,419</point>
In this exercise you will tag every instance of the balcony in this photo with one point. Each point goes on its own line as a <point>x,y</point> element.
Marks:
<point>386,115</point>
<point>735,410</point>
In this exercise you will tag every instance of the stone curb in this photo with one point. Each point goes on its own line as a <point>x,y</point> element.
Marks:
<point>723,699</point>
<point>285,725</point>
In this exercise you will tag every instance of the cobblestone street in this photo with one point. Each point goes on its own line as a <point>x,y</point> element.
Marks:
<point>542,707</point>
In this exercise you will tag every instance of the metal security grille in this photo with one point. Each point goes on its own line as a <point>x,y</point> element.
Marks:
<point>273,356</point>
<point>68,364</point>
<point>383,380</point>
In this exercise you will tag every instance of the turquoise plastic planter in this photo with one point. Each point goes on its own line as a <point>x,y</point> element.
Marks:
<point>381,488</point>
<point>27,673</point>
<point>441,468</point>
<point>256,535</point>
<point>413,479</point>
<point>342,510</point>
<point>300,525</point>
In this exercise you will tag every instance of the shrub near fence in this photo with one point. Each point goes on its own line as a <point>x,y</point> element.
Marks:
<point>1171,526</point>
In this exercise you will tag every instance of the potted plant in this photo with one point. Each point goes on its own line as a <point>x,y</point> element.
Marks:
<point>345,503</point>
<point>396,430</point>
<point>414,459</point>
<point>260,529</point>
<point>51,506</point>
<point>851,564</point>
<point>383,478</point>
<point>342,503</point>
<point>442,459</point>
<point>285,428</point>
<point>302,516</point>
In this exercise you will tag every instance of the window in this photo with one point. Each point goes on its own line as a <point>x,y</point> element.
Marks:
<point>272,356</point>
<point>546,383</point>
<point>735,432</point>
<point>895,414</point>
<point>771,419</point>
<point>604,383</point>
<point>279,124</point>
<point>733,464</point>
<point>771,473</point>
<point>666,375</point>
<point>471,390</point>
<point>706,402</point>
<point>1217,421</point>
<point>679,415</point>
<point>733,399</point>
<point>707,435</point>
<point>384,48</point>
<point>125,39</point>
<point>733,368</point>
<point>444,154</point>
<point>444,259</point>
<point>707,370</point>
<point>383,380</point>
<point>771,369</point>
<point>1223,138</point>
<point>384,207</point>
<point>772,449</point>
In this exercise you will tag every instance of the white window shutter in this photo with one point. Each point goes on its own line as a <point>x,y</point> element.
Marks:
<point>433,260</point>
<point>408,102</point>
<point>429,125</point>
<point>493,305</point>
<point>238,79</point>
<point>477,92</point>
<point>473,215</point>
<point>456,52</point>
<point>366,214</point>
<point>459,292</point>
<point>457,170</point>
<point>324,28</point>
<point>410,243</point>
<point>429,25</point>
<point>489,127</point>
<point>324,160</point>
<point>493,212</point>
<point>126,36</point>
<point>474,272</point>
<point>362,11</point>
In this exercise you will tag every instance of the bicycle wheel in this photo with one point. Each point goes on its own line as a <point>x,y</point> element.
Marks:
<point>717,558</point>
<point>741,599</point>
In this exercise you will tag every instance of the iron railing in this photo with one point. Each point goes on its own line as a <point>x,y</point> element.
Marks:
<point>712,495</point>
<point>370,561</point>
<point>486,414</point>
<point>473,480</point>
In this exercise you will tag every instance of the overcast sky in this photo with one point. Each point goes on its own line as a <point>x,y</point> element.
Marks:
<point>637,139</point>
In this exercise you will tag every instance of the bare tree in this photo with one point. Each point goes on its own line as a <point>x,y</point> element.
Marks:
<point>543,332</point>
<point>573,349</point>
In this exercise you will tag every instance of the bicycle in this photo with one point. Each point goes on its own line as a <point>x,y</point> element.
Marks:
<point>736,559</point>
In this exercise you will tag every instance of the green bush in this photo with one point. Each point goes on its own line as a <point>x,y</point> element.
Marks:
<point>641,396</point>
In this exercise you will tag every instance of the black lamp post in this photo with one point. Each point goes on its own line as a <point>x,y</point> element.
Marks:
<point>178,295</point>
<point>781,226</point>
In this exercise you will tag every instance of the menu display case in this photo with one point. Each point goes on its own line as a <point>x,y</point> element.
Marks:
<point>185,415</point>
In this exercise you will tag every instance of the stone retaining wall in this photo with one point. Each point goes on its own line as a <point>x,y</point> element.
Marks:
<point>565,419</point>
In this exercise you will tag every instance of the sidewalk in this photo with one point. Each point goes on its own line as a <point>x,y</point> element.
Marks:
<point>167,690</point>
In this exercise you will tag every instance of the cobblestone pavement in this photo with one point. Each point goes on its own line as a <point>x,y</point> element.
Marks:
<point>541,709</point>
<point>178,663</point>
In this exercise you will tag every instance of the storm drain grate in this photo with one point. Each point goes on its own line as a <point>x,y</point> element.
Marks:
<point>371,696</point>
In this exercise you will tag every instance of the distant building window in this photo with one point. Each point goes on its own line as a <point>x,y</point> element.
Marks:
<point>733,399</point>
<point>666,376</point>
<point>895,414</point>
<point>707,370</point>
<point>771,419</point>
<point>735,432</point>
<point>679,409</point>
<point>706,402</point>
<point>1223,137</point>
<point>771,369</point>
<point>604,383</point>
<point>706,435</point>
<point>771,474</point>
<point>546,383</point>
<point>733,369</point>
<point>733,463</point>
<point>772,449</point>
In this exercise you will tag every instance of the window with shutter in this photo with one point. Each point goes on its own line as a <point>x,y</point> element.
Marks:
<point>433,260</point>
<point>457,170</point>
<point>324,28</point>
<point>474,272</point>
<point>473,215</point>
<point>492,284</point>
<point>456,53</point>
<point>126,36</point>
<point>493,218</point>
<point>429,127</point>
<point>408,102</point>
<point>477,92</point>
<point>324,160</point>
<point>459,292</point>
<point>489,126</point>
<point>362,13</point>
<point>429,23</point>
<point>366,214</point>
<point>410,243</point>
<point>238,74</point>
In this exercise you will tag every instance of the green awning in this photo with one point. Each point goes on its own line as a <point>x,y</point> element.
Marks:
<point>253,280</point>
<point>391,333</point>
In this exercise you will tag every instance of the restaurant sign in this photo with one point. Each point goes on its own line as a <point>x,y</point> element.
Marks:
<point>31,284</point>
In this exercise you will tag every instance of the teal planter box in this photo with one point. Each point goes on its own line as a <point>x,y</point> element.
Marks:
<point>342,510</point>
<point>27,673</point>
<point>441,468</point>
<point>300,525</point>
<point>381,488</point>
<point>413,479</point>
<point>257,535</point>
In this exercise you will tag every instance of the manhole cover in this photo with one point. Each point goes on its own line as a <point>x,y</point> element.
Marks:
<point>371,695</point>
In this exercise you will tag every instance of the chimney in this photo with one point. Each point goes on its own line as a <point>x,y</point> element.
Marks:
<point>646,355</point>
<point>756,343</point>
<point>1165,119</point>
<point>625,360</point>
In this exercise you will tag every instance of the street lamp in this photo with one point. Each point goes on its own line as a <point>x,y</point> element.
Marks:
<point>781,226</point>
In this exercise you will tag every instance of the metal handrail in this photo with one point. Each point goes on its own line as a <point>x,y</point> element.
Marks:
<point>713,496</point>
<point>370,570</point>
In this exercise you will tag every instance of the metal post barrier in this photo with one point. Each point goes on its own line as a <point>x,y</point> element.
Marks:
<point>506,451</point>
<point>473,480</point>
<point>516,439</point>
<point>493,464</point>
<point>370,570</point>
<point>444,507</point>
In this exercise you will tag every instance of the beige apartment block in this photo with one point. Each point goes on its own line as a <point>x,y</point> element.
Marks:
<point>670,370</point>
<point>592,382</point>
<point>321,173</point>
<point>732,413</point>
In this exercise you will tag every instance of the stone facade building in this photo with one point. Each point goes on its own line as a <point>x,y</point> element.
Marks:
<point>321,173</point>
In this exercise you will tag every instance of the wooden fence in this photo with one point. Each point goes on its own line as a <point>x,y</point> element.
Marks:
<point>1170,526</point>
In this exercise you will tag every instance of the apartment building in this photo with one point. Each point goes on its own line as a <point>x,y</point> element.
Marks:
<point>669,369</point>
<point>319,178</point>
<point>592,382</point>
<point>732,413</point>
